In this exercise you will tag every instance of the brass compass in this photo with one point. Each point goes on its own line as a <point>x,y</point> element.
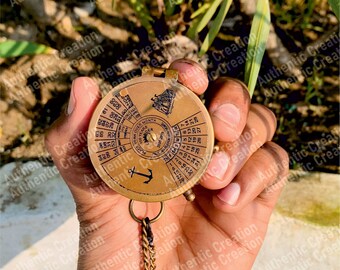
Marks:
<point>151,138</point>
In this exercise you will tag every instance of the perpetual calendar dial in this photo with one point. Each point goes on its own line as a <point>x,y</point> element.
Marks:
<point>150,139</point>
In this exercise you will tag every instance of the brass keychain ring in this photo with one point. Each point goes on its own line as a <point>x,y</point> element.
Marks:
<point>140,220</point>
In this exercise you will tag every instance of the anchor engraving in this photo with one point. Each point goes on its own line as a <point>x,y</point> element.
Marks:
<point>149,176</point>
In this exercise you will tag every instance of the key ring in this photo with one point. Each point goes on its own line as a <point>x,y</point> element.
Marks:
<point>141,220</point>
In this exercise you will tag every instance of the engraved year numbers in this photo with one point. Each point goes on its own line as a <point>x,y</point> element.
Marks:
<point>99,134</point>
<point>104,156</point>
<point>105,123</point>
<point>193,130</point>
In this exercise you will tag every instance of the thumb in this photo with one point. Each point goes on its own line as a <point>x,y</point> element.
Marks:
<point>66,140</point>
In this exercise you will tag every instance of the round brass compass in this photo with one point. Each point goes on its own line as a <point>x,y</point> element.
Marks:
<point>151,138</point>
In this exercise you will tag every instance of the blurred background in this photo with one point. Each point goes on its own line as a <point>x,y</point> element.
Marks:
<point>45,44</point>
<point>103,41</point>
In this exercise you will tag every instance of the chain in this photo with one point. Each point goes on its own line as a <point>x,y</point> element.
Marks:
<point>149,253</point>
<point>148,247</point>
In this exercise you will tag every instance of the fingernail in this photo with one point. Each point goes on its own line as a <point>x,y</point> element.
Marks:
<point>229,114</point>
<point>218,165</point>
<point>230,193</point>
<point>193,63</point>
<point>72,101</point>
<point>185,67</point>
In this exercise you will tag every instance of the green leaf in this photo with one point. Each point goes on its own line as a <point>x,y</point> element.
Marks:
<point>170,6</point>
<point>208,15</point>
<point>143,14</point>
<point>335,4</point>
<point>196,19</point>
<point>13,48</point>
<point>192,31</point>
<point>114,5</point>
<point>257,43</point>
<point>215,27</point>
<point>201,10</point>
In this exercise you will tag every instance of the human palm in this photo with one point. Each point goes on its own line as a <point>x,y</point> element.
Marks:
<point>222,229</point>
<point>186,231</point>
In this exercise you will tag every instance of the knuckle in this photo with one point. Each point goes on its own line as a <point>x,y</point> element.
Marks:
<point>266,117</point>
<point>279,154</point>
<point>264,111</point>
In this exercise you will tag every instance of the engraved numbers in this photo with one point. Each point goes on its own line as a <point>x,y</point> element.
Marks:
<point>114,127</point>
<point>185,155</point>
<point>104,156</point>
<point>105,123</point>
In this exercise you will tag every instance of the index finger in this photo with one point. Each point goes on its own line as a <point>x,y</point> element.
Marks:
<point>191,74</point>
<point>228,102</point>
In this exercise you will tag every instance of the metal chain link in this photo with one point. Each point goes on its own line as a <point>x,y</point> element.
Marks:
<point>149,253</point>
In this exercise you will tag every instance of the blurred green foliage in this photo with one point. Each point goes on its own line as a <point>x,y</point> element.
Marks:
<point>14,48</point>
<point>257,43</point>
<point>335,4</point>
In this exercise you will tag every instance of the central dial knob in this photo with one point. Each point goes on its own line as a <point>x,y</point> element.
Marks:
<point>152,136</point>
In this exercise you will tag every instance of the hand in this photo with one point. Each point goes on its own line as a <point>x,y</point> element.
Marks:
<point>222,229</point>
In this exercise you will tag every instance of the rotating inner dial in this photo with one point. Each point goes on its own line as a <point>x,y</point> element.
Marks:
<point>151,139</point>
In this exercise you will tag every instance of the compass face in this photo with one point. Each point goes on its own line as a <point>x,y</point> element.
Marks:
<point>150,139</point>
